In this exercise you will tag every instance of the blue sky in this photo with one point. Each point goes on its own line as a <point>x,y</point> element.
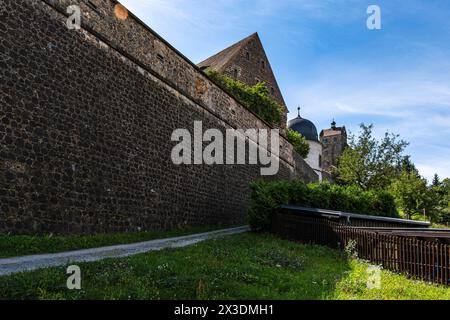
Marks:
<point>327,61</point>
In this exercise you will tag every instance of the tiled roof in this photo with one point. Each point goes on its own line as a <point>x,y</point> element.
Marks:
<point>219,60</point>
<point>332,132</point>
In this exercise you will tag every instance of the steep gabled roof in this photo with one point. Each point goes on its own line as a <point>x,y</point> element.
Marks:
<point>221,59</point>
<point>234,56</point>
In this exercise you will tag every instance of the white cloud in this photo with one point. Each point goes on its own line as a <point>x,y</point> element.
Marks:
<point>409,95</point>
<point>428,170</point>
<point>412,103</point>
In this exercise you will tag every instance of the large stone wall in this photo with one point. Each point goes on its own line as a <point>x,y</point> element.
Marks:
<point>86,119</point>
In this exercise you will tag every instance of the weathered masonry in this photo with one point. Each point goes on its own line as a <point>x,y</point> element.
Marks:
<point>86,119</point>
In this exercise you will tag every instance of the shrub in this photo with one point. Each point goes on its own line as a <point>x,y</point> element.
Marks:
<point>255,98</point>
<point>267,196</point>
<point>300,144</point>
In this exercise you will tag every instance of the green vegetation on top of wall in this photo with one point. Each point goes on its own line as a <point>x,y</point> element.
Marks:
<point>267,196</point>
<point>300,144</point>
<point>255,98</point>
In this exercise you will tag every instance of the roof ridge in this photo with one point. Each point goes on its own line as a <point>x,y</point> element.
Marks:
<point>230,51</point>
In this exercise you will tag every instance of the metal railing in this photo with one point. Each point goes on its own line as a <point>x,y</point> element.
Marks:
<point>412,256</point>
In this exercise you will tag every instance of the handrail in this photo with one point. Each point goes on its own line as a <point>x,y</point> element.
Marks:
<point>354,215</point>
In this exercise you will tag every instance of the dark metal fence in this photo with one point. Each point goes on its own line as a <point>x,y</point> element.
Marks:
<point>412,256</point>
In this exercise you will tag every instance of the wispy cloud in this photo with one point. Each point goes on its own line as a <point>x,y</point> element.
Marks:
<point>412,103</point>
<point>327,61</point>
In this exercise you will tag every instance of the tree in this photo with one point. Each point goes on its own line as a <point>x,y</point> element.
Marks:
<point>371,163</point>
<point>442,197</point>
<point>407,165</point>
<point>300,144</point>
<point>411,194</point>
<point>436,182</point>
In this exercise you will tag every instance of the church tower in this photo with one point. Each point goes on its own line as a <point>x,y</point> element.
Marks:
<point>334,141</point>
<point>308,130</point>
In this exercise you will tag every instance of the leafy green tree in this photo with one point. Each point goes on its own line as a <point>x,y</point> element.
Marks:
<point>370,163</point>
<point>298,141</point>
<point>412,194</point>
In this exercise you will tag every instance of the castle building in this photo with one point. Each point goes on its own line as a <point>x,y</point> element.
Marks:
<point>308,130</point>
<point>247,62</point>
<point>334,141</point>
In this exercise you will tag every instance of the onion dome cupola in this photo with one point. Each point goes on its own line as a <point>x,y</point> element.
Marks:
<point>305,127</point>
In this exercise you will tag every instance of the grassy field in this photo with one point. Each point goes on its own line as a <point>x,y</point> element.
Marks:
<point>12,246</point>
<point>246,266</point>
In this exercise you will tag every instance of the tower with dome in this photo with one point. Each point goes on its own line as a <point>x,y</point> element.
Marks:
<point>325,149</point>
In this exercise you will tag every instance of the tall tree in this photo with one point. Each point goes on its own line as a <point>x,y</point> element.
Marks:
<point>372,163</point>
<point>407,165</point>
<point>436,182</point>
<point>412,195</point>
<point>442,196</point>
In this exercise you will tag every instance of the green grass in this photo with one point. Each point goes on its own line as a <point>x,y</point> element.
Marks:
<point>393,287</point>
<point>246,266</point>
<point>439,226</point>
<point>18,245</point>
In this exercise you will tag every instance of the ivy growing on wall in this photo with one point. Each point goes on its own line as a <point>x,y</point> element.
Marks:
<point>255,98</point>
<point>298,141</point>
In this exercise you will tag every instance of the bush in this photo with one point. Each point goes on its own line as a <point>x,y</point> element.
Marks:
<point>300,144</point>
<point>255,98</point>
<point>266,197</point>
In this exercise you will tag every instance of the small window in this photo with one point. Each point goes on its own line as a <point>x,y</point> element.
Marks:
<point>325,141</point>
<point>236,73</point>
<point>272,90</point>
<point>320,161</point>
<point>334,139</point>
<point>263,64</point>
<point>247,55</point>
<point>257,80</point>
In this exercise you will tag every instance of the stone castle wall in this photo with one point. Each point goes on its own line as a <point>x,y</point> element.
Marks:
<point>86,120</point>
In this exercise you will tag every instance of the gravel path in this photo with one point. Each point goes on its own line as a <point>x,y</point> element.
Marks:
<point>29,263</point>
